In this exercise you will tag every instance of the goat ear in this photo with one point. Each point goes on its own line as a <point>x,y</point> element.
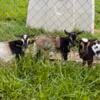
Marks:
<point>93,39</point>
<point>32,41</point>
<point>79,40</point>
<point>66,32</point>
<point>32,35</point>
<point>80,32</point>
<point>91,42</point>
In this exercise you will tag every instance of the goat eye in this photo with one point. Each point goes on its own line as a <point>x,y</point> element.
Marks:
<point>96,47</point>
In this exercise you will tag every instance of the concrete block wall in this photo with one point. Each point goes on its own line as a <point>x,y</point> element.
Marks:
<point>61,14</point>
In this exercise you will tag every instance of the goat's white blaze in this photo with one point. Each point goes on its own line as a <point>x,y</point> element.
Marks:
<point>96,48</point>
<point>5,52</point>
<point>25,36</point>
<point>85,40</point>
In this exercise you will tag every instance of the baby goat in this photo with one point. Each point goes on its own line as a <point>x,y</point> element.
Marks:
<point>15,48</point>
<point>62,44</point>
<point>88,49</point>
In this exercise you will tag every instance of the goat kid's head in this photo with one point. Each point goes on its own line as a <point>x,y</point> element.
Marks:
<point>85,44</point>
<point>72,36</point>
<point>25,38</point>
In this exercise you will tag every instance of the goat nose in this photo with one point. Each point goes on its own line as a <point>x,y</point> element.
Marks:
<point>25,45</point>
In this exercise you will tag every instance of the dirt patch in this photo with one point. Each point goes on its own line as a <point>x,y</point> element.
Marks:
<point>74,56</point>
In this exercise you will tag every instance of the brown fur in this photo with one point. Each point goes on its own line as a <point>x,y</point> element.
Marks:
<point>85,52</point>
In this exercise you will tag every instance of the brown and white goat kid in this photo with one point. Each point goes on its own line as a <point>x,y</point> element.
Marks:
<point>88,49</point>
<point>62,44</point>
<point>15,48</point>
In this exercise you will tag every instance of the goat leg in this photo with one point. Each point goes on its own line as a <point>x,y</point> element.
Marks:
<point>90,62</point>
<point>64,52</point>
<point>84,62</point>
<point>64,55</point>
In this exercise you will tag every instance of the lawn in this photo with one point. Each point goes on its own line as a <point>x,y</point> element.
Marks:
<point>97,13</point>
<point>43,80</point>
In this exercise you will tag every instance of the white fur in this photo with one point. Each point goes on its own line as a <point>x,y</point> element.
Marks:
<point>85,40</point>
<point>96,48</point>
<point>25,36</point>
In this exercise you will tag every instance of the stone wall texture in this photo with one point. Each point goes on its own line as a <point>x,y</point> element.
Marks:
<point>61,14</point>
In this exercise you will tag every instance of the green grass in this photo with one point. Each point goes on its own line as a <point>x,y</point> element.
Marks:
<point>49,81</point>
<point>43,80</point>
<point>97,17</point>
<point>13,10</point>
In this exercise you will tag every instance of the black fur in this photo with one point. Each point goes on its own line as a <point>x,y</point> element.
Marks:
<point>67,42</point>
<point>16,48</point>
<point>64,47</point>
<point>86,53</point>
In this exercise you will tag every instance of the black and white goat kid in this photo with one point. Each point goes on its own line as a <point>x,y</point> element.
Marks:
<point>14,48</point>
<point>62,44</point>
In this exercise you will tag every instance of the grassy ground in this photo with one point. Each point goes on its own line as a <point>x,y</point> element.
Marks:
<point>43,80</point>
<point>97,18</point>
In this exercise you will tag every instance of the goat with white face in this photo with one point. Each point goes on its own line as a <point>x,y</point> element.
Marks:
<point>56,43</point>
<point>15,48</point>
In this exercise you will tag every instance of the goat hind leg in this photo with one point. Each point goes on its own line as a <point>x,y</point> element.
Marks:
<point>64,55</point>
<point>90,62</point>
<point>84,62</point>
